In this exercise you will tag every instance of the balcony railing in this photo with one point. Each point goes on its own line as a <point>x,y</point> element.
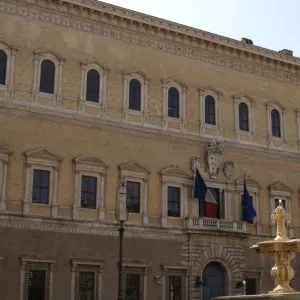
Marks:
<point>195,223</point>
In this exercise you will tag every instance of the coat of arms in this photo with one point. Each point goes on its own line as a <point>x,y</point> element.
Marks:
<point>214,157</point>
<point>228,169</point>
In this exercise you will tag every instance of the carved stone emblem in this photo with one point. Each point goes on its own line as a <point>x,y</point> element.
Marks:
<point>228,169</point>
<point>195,163</point>
<point>214,157</point>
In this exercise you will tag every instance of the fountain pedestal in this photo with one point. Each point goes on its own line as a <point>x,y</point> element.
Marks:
<point>283,250</point>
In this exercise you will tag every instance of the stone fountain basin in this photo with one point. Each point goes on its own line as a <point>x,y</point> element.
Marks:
<point>266,248</point>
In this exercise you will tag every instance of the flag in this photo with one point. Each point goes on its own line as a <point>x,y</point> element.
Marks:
<point>204,195</point>
<point>249,212</point>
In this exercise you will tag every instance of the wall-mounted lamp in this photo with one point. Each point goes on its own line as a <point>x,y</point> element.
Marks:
<point>157,279</point>
<point>198,282</point>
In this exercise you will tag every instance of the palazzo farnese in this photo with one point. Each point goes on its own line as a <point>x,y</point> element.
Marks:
<point>92,94</point>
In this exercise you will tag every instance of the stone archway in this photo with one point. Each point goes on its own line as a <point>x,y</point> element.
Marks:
<point>214,281</point>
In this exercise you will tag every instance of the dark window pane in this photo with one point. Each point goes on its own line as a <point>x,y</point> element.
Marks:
<point>173,201</point>
<point>173,102</point>
<point>40,188</point>
<point>133,196</point>
<point>47,80</point>
<point>133,289</point>
<point>282,203</point>
<point>135,95</point>
<point>243,116</point>
<point>3,64</point>
<point>86,286</point>
<point>37,284</point>
<point>210,110</point>
<point>275,116</point>
<point>175,287</point>
<point>88,191</point>
<point>92,86</point>
<point>251,288</point>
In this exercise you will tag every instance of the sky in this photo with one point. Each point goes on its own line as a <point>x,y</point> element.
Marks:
<point>271,24</point>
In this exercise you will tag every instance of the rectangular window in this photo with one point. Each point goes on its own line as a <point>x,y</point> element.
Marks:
<point>175,288</point>
<point>174,201</point>
<point>208,209</point>
<point>37,281</point>
<point>87,282</point>
<point>88,192</point>
<point>40,189</point>
<point>86,286</point>
<point>133,196</point>
<point>133,289</point>
<point>251,286</point>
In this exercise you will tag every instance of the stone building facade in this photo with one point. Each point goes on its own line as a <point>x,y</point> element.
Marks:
<point>92,94</point>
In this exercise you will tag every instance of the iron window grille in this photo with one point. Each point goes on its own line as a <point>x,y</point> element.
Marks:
<point>37,281</point>
<point>133,283</point>
<point>40,189</point>
<point>87,282</point>
<point>175,288</point>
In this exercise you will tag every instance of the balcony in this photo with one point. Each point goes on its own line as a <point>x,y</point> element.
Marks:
<point>220,225</point>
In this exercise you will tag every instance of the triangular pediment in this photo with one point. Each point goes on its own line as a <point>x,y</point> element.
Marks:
<point>274,104</point>
<point>135,71</point>
<point>174,80</point>
<point>4,149</point>
<point>174,171</point>
<point>249,181</point>
<point>97,63</point>
<point>244,97</point>
<point>42,153</point>
<point>51,52</point>
<point>133,166</point>
<point>279,186</point>
<point>90,160</point>
<point>7,45</point>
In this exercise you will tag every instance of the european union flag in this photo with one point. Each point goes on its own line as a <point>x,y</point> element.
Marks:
<point>249,212</point>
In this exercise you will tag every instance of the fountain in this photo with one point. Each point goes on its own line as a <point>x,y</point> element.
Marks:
<point>283,250</point>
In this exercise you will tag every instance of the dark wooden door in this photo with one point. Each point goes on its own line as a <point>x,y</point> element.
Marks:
<point>214,281</point>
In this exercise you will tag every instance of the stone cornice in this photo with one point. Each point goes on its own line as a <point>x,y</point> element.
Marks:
<point>128,26</point>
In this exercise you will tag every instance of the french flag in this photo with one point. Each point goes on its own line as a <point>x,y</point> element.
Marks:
<point>202,193</point>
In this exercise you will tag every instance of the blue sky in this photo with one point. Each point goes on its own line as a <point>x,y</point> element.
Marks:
<point>272,24</point>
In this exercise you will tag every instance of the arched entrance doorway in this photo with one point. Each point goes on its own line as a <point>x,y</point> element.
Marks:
<point>214,281</point>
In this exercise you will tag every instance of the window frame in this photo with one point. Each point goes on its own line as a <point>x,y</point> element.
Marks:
<point>98,87</point>
<point>272,140</point>
<point>103,71</point>
<point>40,186</point>
<point>5,153</point>
<point>77,265</point>
<point>49,266</point>
<point>174,177</point>
<point>172,106</point>
<point>58,61</point>
<point>279,120</point>
<point>218,97</point>
<point>241,117</point>
<point>143,112</point>
<point>181,121</point>
<point>42,71</point>
<point>251,133</point>
<point>174,201</point>
<point>135,172</point>
<point>139,196</point>
<point>89,177</point>
<point>6,90</point>
<point>168,271</point>
<point>41,159</point>
<point>92,166</point>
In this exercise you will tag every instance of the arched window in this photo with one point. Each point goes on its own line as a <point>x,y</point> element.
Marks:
<point>243,116</point>
<point>3,63</point>
<point>92,86</point>
<point>135,94</point>
<point>210,110</point>
<point>47,81</point>
<point>275,117</point>
<point>173,103</point>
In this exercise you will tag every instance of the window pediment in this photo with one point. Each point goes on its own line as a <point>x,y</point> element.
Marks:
<point>135,72</point>
<point>6,45</point>
<point>251,183</point>
<point>275,104</point>
<point>90,163</point>
<point>279,186</point>
<point>49,53</point>
<point>244,98</point>
<point>4,152</point>
<point>96,63</point>
<point>173,173</point>
<point>174,81</point>
<point>209,89</point>
<point>42,155</point>
<point>133,167</point>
